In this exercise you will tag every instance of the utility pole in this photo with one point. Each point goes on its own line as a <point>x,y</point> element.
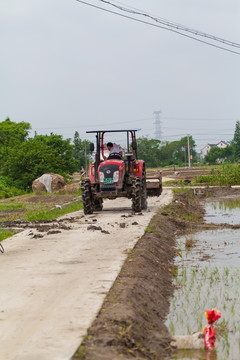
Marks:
<point>189,159</point>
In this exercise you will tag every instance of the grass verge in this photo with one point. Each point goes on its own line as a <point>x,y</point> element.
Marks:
<point>4,234</point>
<point>50,214</point>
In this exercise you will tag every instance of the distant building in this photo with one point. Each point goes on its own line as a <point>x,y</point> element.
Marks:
<point>222,144</point>
<point>206,150</point>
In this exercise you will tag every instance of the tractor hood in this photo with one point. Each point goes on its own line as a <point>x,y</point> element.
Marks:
<point>111,172</point>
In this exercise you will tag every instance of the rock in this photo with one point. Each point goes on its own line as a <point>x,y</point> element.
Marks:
<point>37,236</point>
<point>105,232</point>
<point>194,341</point>
<point>52,232</point>
<point>48,182</point>
<point>94,227</point>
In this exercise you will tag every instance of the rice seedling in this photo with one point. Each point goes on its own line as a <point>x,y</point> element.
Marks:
<point>208,286</point>
<point>172,328</point>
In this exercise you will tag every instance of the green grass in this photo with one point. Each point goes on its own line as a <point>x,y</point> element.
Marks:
<point>44,214</point>
<point>10,206</point>
<point>227,174</point>
<point>4,234</point>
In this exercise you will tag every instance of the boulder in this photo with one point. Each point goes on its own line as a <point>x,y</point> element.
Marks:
<point>48,182</point>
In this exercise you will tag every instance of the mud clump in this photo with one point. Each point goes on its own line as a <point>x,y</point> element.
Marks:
<point>94,227</point>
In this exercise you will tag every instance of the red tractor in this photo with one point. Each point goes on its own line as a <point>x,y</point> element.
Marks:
<point>115,176</point>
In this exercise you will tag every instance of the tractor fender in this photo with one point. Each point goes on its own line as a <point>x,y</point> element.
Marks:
<point>138,171</point>
<point>91,173</point>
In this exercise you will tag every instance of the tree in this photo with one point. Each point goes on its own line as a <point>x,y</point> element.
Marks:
<point>11,132</point>
<point>79,150</point>
<point>176,152</point>
<point>236,142</point>
<point>218,155</point>
<point>149,151</point>
<point>38,155</point>
<point>155,153</point>
<point>11,135</point>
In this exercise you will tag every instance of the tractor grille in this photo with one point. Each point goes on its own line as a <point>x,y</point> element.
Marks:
<point>108,170</point>
<point>108,188</point>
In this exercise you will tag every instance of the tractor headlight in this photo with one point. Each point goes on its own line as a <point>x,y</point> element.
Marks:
<point>101,174</point>
<point>115,176</point>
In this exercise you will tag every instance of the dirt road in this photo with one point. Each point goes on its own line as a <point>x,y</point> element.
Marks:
<point>53,284</point>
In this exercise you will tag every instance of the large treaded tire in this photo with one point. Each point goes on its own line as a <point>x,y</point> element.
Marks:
<point>137,194</point>
<point>144,191</point>
<point>87,197</point>
<point>98,205</point>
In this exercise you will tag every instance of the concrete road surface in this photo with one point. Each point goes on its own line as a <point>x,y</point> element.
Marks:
<point>53,287</point>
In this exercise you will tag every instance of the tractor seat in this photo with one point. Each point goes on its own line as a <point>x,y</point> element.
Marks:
<point>116,156</point>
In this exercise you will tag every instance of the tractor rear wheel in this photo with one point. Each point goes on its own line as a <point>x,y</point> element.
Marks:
<point>87,196</point>
<point>144,191</point>
<point>136,194</point>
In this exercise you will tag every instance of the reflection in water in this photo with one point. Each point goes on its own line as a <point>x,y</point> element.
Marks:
<point>224,211</point>
<point>196,355</point>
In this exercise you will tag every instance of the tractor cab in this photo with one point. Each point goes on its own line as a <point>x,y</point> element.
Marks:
<point>109,170</point>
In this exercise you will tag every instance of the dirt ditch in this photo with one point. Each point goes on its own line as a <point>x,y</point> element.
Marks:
<point>131,323</point>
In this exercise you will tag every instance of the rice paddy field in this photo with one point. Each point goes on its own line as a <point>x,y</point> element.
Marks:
<point>207,275</point>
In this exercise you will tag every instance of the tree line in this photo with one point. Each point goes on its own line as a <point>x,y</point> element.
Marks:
<point>159,154</point>
<point>230,154</point>
<point>24,158</point>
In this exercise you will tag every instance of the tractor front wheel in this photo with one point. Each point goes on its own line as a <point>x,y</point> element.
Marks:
<point>86,196</point>
<point>136,195</point>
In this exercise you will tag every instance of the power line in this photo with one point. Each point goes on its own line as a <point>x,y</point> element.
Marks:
<point>158,26</point>
<point>171,24</point>
<point>199,119</point>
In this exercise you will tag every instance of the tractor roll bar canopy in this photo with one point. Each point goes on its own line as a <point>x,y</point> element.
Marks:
<point>101,131</point>
<point>100,136</point>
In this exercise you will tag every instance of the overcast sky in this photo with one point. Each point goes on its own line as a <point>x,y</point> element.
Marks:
<point>68,67</point>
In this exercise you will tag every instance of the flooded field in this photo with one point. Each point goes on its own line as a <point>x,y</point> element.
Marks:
<point>224,211</point>
<point>208,276</point>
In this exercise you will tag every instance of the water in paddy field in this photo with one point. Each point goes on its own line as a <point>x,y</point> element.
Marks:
<point>224,211</point>
<point>208,276</point>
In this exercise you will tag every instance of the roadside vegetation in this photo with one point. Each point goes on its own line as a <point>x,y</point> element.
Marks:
<point>224,175</point>
<point>44,206</point>
<point>4,234</point>
<point>50,214</point>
